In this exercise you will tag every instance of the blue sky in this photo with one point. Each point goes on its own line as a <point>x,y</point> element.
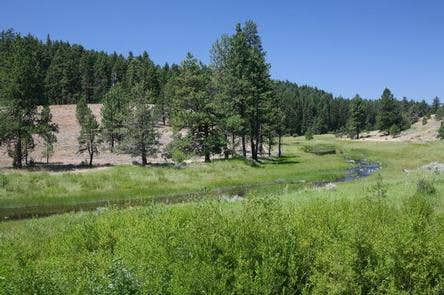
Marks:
<point>344,47</point>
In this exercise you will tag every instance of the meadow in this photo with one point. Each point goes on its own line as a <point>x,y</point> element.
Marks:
<point>380,234</point>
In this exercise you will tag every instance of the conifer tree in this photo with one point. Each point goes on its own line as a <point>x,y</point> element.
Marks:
<point>389,115</point>
<point>195,110</point>
<point>435,105</point>
<point>47,131</point>
<point>114,112</point>
<point>89,131</point>
<point>102,79</point>
<point>249,78</point>
<point>163,102</point>
<point>86,69</point>
<point>358,117</point>
<point>21,80</point>
<point>223,81</point>
<point>141,137</point>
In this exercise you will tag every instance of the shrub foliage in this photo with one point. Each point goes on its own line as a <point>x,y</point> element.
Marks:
<point>259,247</point>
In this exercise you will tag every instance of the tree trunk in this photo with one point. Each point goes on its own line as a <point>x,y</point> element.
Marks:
<point>18,153</point>
<point>111,147</point>
<point>280,146</point>
<point>91,156</point>
<point>357,133</point>
<point>253,149</point>
<point>260,143</point>
<point>269,148</point>
<point>144,160</point>
<point>207,157</point>
<point>244,148</point>
<point>233,144</point>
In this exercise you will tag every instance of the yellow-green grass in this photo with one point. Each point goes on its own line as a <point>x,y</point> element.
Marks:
<point>46,192</point>
<point>28,193</point>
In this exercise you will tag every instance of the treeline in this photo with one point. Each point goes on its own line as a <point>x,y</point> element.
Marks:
<point>229,106</point>
<point>69,71</point>
<point>310,110</point>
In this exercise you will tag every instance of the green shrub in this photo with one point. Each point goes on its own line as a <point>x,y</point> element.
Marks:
<point>424,120</point>
<point>261,246</point>
<point>394,130</point>
<point>379,189</point>
<point>424,186</point>
<point>121,280</point>
<point>309,134</point>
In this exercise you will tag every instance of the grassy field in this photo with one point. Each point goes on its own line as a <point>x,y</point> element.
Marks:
<point>381,234</point>
<point>24,194</point>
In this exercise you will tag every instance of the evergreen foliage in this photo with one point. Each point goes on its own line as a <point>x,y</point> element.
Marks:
<point>21,76</point>
<point>196,112</point>
<point>358,117</point>
<point>114,113</point>
<point>141,137</point>
<point>89,131</point>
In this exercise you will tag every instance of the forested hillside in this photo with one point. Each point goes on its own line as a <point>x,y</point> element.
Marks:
<point>230,102</point>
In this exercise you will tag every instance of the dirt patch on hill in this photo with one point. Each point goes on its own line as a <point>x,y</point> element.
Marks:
<point>418,133</point>
<point>65,150</point>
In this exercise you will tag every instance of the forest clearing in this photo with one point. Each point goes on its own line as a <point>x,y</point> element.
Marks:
<point>216,163</point>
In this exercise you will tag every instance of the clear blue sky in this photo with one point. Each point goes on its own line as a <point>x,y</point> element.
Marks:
<point>345,47</point>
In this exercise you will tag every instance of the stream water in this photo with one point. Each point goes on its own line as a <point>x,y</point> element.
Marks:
<point>360,169</point>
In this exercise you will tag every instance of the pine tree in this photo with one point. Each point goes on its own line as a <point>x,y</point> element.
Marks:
<point>141,137</point>
<point>142,70</point>
<point>435,105</point>
<point>195,110</point>
<point>102,79</point>
<point>86,69</point>
<point>163,102</point>
<point>389,114</point>
<point>89,131</point>
<point>358,117</point>
<point>249,78</point>
<point>47,131</point>
<point>21,80</point>
<point>223,80</point>
<point>114,112</point>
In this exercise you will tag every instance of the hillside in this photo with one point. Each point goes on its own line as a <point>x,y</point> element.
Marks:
<point>65,150</point>
<point>417,133</point>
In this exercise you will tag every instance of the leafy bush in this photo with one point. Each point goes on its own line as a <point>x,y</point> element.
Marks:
<point>309,134</point>
<point>424,120</point>
<point>261,246</point>
<point>121,280</point>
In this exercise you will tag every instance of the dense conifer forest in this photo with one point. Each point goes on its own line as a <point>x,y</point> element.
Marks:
<point>232,98</point>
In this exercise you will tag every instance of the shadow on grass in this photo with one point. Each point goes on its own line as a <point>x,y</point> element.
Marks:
<point>287,159</point>
<point>61,167</point>
<point>56,167</point>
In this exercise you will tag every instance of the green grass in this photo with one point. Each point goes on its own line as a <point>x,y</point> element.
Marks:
<point>27,193</point>
<point>284,238</point>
